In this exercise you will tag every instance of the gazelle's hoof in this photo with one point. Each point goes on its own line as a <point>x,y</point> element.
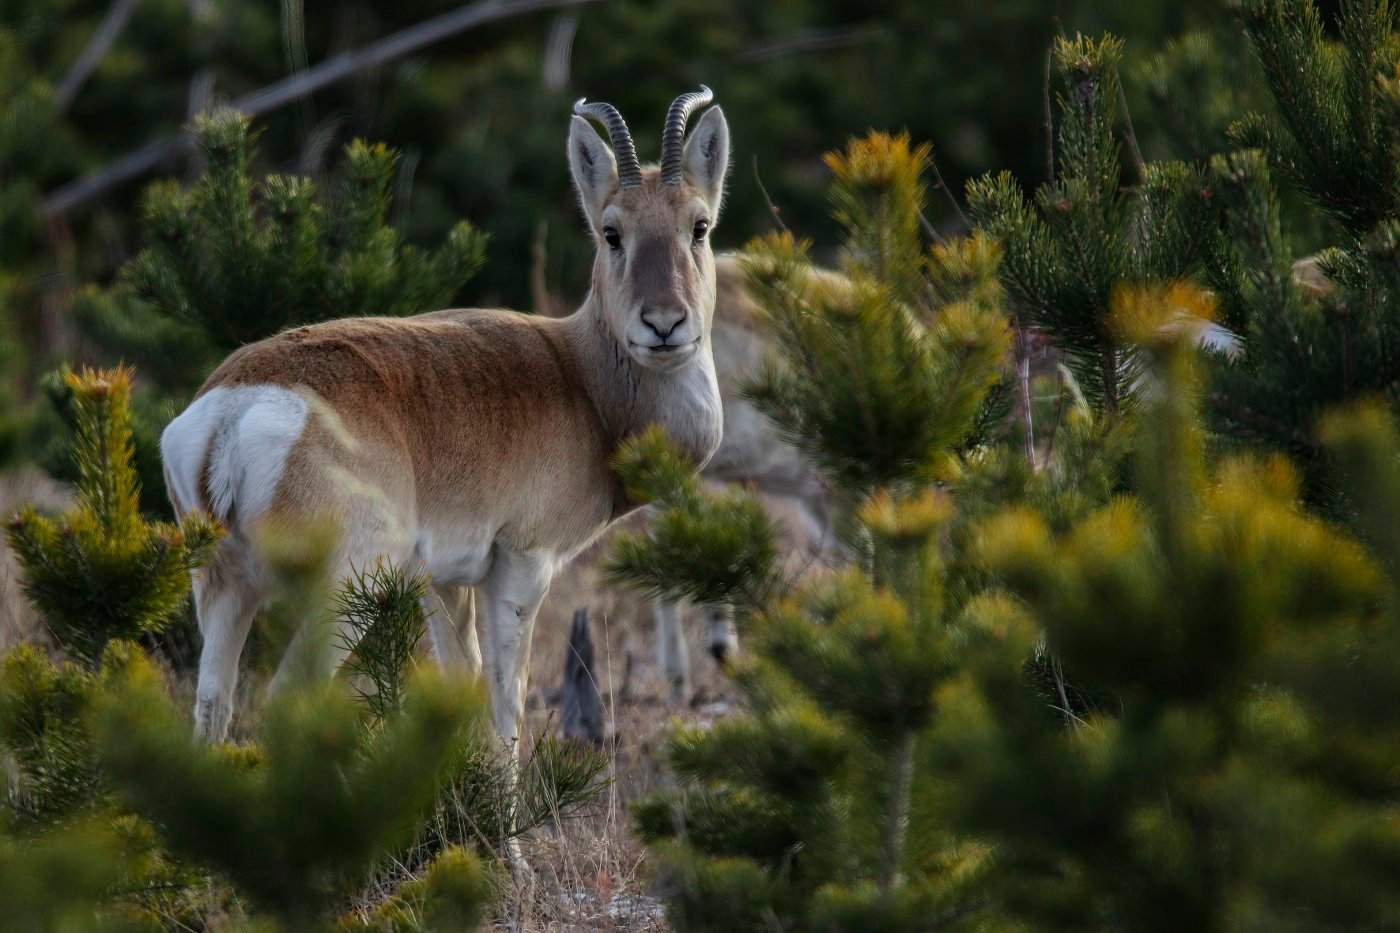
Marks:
<point>724,638</point>
<point>211,718</point>
<point>677,692</point>
<point>520,871</point>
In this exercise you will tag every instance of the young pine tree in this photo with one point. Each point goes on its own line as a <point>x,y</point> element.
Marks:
<point>58,801</point>
<point>1332,134</point>
<point>811,809</point>
<point>294,823</point>
<point>230,260</point>
<point>101,571</point>
<point>1215,609</point>
<point>1082,234</point>
<point>46,733</point>
<point>383,611</point>
<point>234,258</point>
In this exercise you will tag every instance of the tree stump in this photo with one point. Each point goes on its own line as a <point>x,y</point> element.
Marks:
<point>581,715</point>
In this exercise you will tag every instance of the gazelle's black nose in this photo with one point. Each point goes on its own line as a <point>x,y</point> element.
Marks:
<point>662,321</point>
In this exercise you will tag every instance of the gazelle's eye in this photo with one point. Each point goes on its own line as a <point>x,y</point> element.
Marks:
<point>613,237</point>
<point>702,227</point>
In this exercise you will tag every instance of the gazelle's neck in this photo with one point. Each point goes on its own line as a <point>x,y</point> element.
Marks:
<point>630,397</point>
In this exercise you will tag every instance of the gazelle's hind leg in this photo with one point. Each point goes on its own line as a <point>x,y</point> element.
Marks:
<point>373,535</point>
<point>451,615</point>
<point>723,642</point>
<point>319,647</point>
<point>226,598</point>
<point>672,652</point>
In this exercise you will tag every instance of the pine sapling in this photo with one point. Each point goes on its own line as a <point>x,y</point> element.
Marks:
<point>1202,603</point>
<point>294,826</point>
<point>1085,232</point>
<point>381,612</point>
<point>810,809</point>
<point>101,571</point>
<point>233,258</point>
<point>1333,132</point>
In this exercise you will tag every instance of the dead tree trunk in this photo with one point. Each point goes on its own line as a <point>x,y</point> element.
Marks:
<point>581,705</point>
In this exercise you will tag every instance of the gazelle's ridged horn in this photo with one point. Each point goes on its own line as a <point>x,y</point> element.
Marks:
<point>673,137</point>
<point>629,171</point>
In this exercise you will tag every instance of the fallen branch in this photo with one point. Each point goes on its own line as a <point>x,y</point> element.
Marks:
<point>294,87</point>
<point>812,40</point>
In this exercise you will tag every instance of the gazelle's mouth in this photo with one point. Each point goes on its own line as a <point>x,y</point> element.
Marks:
<point>664,355</point>
<point>665,347</point>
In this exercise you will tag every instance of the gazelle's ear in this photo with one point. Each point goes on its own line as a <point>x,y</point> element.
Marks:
<point>594,169</point>
<point>706,158</point>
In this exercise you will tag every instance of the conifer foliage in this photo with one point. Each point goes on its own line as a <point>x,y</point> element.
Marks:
<point>45,728</point>
<point>1085,233</point>
<point>882,375</point>
<point>59,809</point>
<point>383,613</point>
<point>1333,134</point>
<point>235,257</point>
<point>296,822</point>
<point>809,810</point>
<point>101,571</point>
<point>231,260</point>
<point>1198,605</point>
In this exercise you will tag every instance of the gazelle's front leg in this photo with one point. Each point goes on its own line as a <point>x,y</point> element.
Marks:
<point>507,603</point>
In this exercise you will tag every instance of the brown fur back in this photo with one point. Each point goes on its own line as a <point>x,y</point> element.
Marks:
<point>470,410</point>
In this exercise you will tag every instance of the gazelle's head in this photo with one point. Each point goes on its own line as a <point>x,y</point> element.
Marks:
<point>654,275</point>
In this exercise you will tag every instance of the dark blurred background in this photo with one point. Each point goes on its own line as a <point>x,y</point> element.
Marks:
<point>480,117</point>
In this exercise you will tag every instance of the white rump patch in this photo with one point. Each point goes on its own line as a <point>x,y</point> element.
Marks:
<point>182,447</point>
<point>246,434</point>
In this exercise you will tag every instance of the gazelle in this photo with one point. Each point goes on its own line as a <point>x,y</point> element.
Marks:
<point>472,443</point>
